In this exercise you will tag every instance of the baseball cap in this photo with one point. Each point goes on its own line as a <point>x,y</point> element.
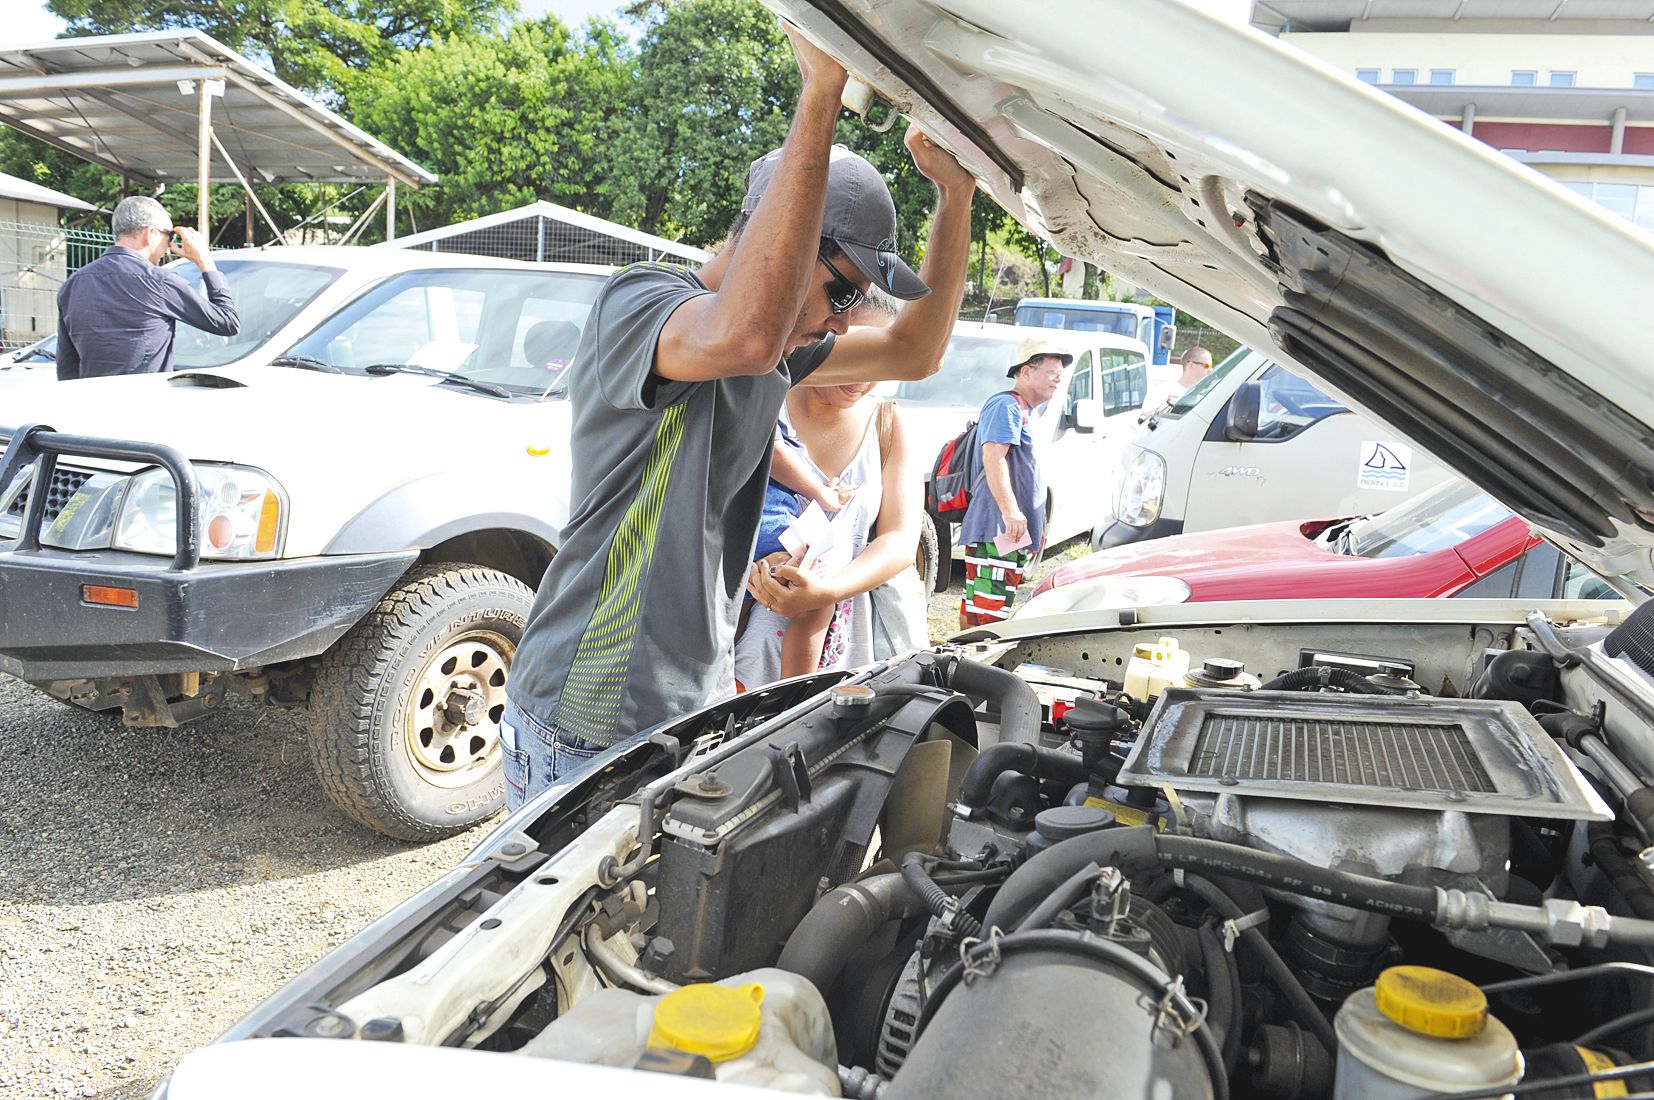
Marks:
<point>860,218</point>
<point>1034,347</point>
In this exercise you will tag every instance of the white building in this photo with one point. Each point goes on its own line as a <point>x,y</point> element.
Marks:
<point>36,255</point>
<point>1566,86</point>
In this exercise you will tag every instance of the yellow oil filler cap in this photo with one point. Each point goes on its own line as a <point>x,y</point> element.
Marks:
<point>714,1020</point>
<point>1431,1002</point>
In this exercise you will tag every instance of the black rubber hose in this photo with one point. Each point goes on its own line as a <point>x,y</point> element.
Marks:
<point>1297,877</point>
<point>1303,1006</point>
<point>1016,756</point>
<point>1322,676</point>
<point>1222,995</point>
<point>1075,887</point>
<point>1033,881</point>
<point>1139,846</point>
<point>1019,709</point>
<point>1641,1018</point>
<point>931,894</point>
<point>1622,873</point>
<point>843,920</point>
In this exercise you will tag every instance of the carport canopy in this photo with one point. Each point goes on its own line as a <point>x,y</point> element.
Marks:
<point>179,107</point>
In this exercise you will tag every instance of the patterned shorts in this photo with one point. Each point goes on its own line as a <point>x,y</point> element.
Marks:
<point>991,580</point>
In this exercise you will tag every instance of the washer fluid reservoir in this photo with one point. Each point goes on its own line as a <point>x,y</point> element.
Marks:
<point>766,1028</point>
<point>1154,667</point>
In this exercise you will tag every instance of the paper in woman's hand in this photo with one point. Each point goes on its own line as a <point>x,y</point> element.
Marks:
<point>1004,543</point>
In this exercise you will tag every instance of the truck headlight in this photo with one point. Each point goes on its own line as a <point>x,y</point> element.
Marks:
<point>242,511</point>
<point>1142,491</point>
<point>1104,593</point>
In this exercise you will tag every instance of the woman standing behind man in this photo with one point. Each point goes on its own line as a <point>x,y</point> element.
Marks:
<point>854,440</point>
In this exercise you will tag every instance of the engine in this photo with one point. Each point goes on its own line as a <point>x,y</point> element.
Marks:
<point>1126,878</point>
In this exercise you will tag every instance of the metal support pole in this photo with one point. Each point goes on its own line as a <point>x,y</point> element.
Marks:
<point>251,198</point>
<point>390,208</point>
<point>203,158</point>
<point>1616,137</point>
<point>1467,122</point>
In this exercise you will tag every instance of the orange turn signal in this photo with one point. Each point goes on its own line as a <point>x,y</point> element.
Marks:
<point>107,596</point>
<point>269,519</point>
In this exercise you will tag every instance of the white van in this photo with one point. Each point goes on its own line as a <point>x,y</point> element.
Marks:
<point>1253,443</point>
<point>1080,431</point>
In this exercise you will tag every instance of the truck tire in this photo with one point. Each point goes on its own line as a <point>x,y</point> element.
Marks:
<point>404,731</point>
<point>927,561</point>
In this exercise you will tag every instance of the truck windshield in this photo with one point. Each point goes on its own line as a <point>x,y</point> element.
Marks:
<point>1214,378</point>
<point>973,370</point>
<point>506,327</point>
<point>1079,319</point>
<point>267,296</point>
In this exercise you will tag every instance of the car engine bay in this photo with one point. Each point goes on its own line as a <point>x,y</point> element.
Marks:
<point>1274,859</point>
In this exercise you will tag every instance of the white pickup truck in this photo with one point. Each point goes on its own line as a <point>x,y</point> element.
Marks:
<point>350,515</point>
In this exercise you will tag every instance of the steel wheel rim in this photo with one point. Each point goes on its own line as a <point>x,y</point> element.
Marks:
<point>443,751</point>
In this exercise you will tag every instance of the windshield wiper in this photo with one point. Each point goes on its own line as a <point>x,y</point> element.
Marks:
<point>447,376</point>
<point>305,362</point>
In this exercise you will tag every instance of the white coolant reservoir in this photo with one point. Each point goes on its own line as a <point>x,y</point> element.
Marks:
<point>1155,666</point>
<point>1418,1032</point>
<point>766,1028</point>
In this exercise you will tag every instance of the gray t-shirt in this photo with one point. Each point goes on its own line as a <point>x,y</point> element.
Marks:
<point>634,622</point>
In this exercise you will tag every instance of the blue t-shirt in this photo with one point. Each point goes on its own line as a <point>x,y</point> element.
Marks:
<point>1005,419</point>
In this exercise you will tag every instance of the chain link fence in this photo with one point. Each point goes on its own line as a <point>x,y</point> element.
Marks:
<point>1200,336</point>
<point>34,261</point>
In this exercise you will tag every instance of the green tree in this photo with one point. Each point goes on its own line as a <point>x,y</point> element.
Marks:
<point>314,45</point>
<point>505,120</point>
<point>715,89</point>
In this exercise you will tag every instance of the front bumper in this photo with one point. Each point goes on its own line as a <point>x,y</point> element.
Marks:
<point>214,617</point>
<point>1114,533</point>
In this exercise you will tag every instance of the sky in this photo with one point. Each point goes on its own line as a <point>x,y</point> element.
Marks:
<point>30,22</point>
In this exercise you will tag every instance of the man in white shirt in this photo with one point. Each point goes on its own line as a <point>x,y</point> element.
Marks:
<point>1196,362</point>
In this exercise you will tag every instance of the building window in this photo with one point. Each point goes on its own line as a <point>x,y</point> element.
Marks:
<point>1643,80</point>
<point>1524,76</point>
<point>1562,80</point>
<point>1630,201</point>
<point>1368,76</point>
<point>1441,76</point>
<point>1404,76</point>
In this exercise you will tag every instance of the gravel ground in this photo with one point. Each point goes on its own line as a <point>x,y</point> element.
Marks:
<point>155,885</point>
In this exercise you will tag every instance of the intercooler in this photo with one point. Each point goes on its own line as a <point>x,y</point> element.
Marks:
<point>1476,756</point>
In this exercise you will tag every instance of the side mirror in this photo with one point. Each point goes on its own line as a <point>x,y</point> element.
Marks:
<point>1245,409</point>
<point>1168,336</point>
<point>1084,416</point>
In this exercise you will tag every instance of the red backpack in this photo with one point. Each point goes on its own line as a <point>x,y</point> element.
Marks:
<point>949,487</point>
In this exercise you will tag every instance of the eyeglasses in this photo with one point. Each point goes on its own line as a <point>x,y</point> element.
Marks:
<point>842,294</point>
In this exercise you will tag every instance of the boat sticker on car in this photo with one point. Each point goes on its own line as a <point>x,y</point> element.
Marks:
<point>1384,466</point>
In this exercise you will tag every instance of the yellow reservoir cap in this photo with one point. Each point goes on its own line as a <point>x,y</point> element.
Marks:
<point>714,1020</point>
<point>1431,1002</point>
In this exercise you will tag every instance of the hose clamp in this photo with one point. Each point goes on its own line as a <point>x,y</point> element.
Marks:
<point>1231,929</point>
<point>980,964</point>
<point>1170,1016</point>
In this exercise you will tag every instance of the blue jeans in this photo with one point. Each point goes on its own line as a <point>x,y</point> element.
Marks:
<point>535,756</point>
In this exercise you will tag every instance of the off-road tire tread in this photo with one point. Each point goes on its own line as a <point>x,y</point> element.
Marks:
<point>341,734</point>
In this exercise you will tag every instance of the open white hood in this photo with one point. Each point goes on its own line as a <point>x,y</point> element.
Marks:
<point>1476,307</point>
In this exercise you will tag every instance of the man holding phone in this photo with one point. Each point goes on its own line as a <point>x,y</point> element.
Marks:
<point>118,314</point>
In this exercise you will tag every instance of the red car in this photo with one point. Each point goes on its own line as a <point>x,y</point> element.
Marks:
<point>1452,541</point>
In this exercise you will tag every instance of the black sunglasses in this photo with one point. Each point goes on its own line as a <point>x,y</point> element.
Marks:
<point>842,294</point>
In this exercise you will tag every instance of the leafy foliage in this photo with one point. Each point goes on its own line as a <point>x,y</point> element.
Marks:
<point>315,45</point>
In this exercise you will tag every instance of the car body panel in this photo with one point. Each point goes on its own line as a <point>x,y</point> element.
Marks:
<point>1277,561</point>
